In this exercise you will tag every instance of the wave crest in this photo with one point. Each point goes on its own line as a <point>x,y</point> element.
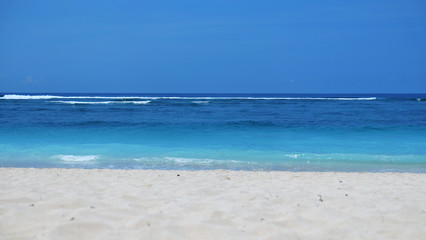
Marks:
<point>76,158</point>
<point>102,102</point>
<point>129,98</point>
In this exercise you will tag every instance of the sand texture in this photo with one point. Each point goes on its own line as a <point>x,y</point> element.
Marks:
<point>220,204</point>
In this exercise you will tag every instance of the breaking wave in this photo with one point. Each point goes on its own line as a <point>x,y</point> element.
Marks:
<point>200,102</point>
<point>102,102</point>
<point>76,158</point>
<point>45,97</point>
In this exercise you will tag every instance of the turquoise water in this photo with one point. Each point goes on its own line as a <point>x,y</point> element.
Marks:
<point>296,132</point>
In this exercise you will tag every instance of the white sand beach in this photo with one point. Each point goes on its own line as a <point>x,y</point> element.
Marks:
<point>219,204</point>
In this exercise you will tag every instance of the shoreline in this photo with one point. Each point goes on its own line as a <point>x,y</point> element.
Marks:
<point>210,204</point>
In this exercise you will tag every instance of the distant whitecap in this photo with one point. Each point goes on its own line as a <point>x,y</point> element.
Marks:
<point>200,102</point>
<point>38,97</point>
<point>82,102</point>
<point>101,102</point>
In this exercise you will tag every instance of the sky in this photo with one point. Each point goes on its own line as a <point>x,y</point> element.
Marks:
<point>213,46</point>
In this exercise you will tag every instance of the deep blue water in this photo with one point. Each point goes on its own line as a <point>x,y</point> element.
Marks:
<point>297,132</point>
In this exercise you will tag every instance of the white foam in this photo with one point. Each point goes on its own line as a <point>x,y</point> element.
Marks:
<point>81,102</point>
<point>200,102</point>
<point>181,160</point>
<point>137,102</point>
<point>36,97</point>
<point>320,98</point>
<point>350,157</point>
<point>293,155</point>
<point>77,158</point>
<point>12,96</point>
<point>187,160</point>
<point>102,102</point>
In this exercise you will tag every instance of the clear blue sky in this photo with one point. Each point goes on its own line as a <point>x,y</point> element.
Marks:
<point>228,46</point>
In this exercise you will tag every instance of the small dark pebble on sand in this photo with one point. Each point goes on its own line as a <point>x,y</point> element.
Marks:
<point>32,205</point>
<point>72,219</point>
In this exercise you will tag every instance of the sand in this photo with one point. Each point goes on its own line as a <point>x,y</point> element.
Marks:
<point>219,204</point>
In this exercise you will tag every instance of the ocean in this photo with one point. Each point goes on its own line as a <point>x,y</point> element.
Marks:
<point>283,132</point>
